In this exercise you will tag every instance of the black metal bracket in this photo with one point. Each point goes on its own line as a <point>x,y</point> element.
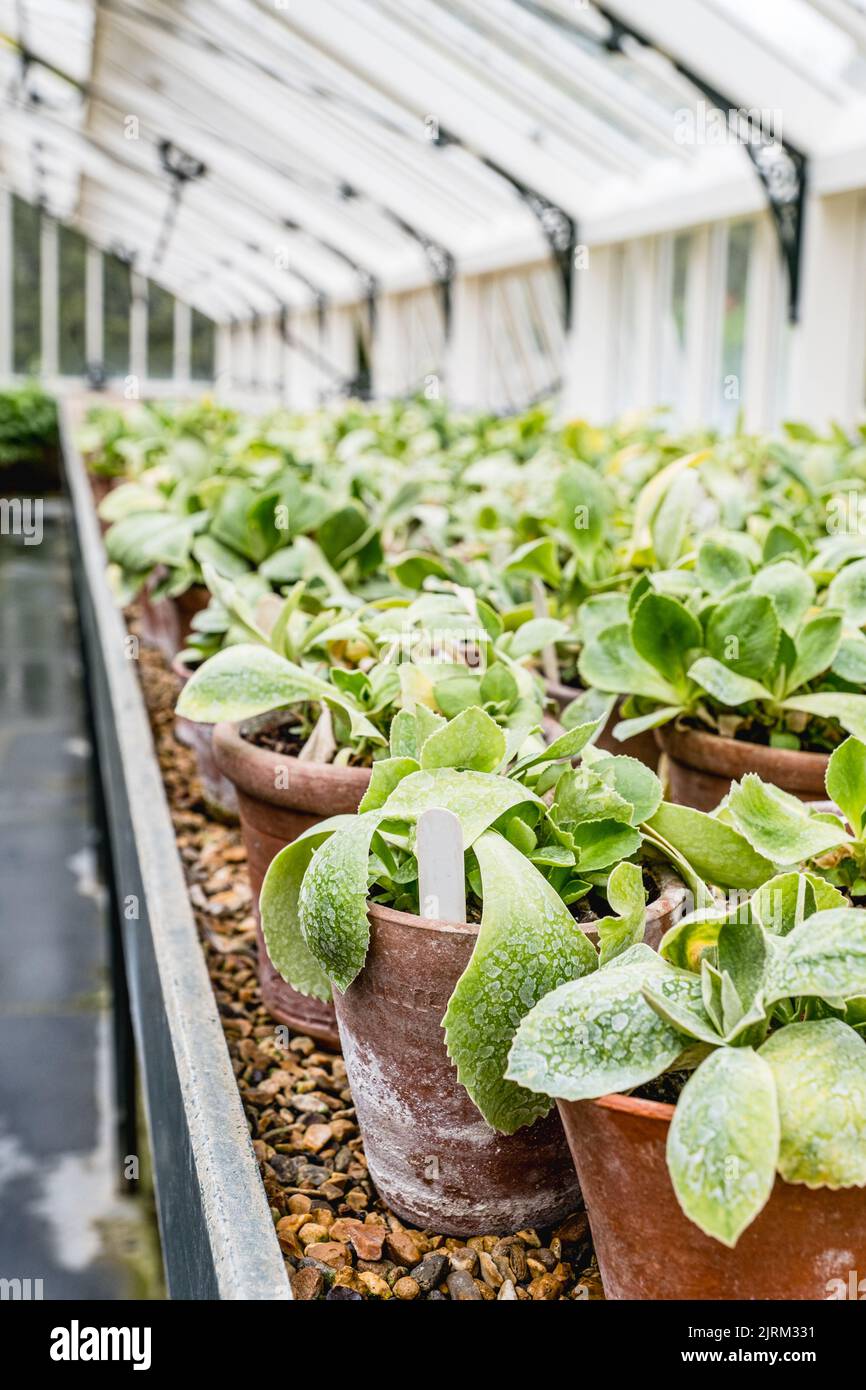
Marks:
<point>440,262</point>
<point>557,225</point>
<point>782,168</point>
<point>182,168</point>
<point>369,282</point>
<point>343,385</point>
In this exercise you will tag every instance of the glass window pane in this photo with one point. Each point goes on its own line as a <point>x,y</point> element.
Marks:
<point>117,300</point>
<point>624,365</point>
<point>72,255</point>
<point>740,238</point>
<point>672,386</point>
<point>160,332</point>
<point>202,347</point>
<point>25,287</point>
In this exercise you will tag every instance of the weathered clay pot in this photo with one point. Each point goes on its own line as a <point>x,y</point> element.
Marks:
<point>165,622</point>
<point>648,1249</point>
<point>432,1157</point>
<point>219,793</point>
<point>278,799</point>
<point>643,747</point>
<point>699,767</point>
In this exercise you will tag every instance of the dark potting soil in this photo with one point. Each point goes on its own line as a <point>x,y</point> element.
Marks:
<point>286,741</point>
<point>339,1241</point>
<point>666,1088</point>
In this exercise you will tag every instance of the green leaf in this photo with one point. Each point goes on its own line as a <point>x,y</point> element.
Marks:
<point>596,1034</point>
<point>671,519</point>
<point>403,741</point>
<point>589,707</point>
<point>784,901</point>
<point>611,663</point>
<point>537,633</point>
<point>583,503</point>
<point>848,592</point>
<point>567,745</point>
<point>778,825</point>
<point>663,631</point>
<point>850,659</point>
<point>603,842</point>
<point>582,795</point>
<point>848,710</point>
<point>817,644</point>
<point>782,540</point>
<point>724,684</point>
<point>633,781</point>
<point>627,897</point>
<point>207,550</point>
<point>536,557</point>
<point>687,942</point>
<point>332,903</point>
<point>743,633</point>
<point>528,943</point>
<point>387,774</point>
<point>457,693</point>
<point>720,565</point>
<point>412,568</point>
<point>600,611</point>
<point>476,798</point>
<point>791,589</point>
<point>820,1073</point>
<point>825,956</point>
<point>498,686</point>
<point>471,740</point>
<point>723,1143</point>
<point>846,782</point>
<point>716,851</point>
<point>243,681</point>
<point>632,728</point>
<point>278,905</point>
<point>427,722</point>
<point>742,956</point>
<point>677,998</point>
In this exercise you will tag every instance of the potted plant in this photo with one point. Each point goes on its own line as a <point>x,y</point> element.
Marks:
<point>427,1008</point>
<point>303,716</point>
<point>714,1094</point>
<point>742,663</point>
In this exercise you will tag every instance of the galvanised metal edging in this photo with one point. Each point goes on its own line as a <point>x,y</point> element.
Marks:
<point>217,1233</point>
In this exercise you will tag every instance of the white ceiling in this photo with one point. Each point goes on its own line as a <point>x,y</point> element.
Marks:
<point>313,121</point>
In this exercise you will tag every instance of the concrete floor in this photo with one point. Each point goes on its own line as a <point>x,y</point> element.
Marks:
<point>62,1218</point>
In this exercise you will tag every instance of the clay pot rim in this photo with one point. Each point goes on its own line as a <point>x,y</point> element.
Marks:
<point>670,894</point>
<point>660,1110</point>
<point>246,764</point>
<point>709,752</point>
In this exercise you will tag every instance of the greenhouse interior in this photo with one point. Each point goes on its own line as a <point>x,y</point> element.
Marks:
<point>433,592</point>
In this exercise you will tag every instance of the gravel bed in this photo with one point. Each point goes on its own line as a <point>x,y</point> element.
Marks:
<point>340,1242</point>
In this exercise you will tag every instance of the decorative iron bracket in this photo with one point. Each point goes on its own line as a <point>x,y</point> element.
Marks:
<point>558,226</point>
<point>369,281</point>
<point>440,262</point>
<point>182,168</point>
<point>781,167</point>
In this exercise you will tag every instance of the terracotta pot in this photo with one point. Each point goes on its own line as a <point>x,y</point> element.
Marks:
<point>648,1249</point>
<point>219,793</point>
<point>643,747</point>
<point>278,799</point>
<point>165,622</point>
<point>432,1157</point>
<point>699,767</point>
